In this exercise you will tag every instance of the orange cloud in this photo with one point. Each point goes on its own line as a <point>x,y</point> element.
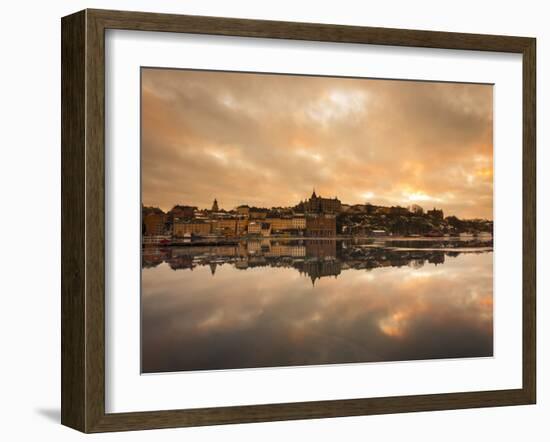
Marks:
<point>269,139</point>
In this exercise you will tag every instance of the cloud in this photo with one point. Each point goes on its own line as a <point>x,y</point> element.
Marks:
<point>269,139</point>
<point>268,316</point>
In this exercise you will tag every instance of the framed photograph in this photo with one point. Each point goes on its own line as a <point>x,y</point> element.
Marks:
<point>271,220</point>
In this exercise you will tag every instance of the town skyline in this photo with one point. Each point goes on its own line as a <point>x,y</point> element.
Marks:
<point>220,207</point>
<point>316,217</point>
<point>262,140</point>
<point>319,194</point>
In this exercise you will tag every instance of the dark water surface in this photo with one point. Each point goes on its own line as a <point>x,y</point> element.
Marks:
<point>283,303</point>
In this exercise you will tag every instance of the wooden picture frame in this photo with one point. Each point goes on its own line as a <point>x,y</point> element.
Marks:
<point>83,220</point>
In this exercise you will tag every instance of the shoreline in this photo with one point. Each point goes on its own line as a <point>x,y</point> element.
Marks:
<point>483,240</point>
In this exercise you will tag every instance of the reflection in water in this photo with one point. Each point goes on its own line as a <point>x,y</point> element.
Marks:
<point>282,303</point>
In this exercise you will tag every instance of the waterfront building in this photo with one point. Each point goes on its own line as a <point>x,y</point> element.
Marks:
<point>279,224</point>
<point>318,204</point>
<point>183,228</point>
<point>298,222</point>
<point>254,228</point>
<point>227,226</point>
<point>320,225</point>
<point>181,212</point>
<point>154,223</point>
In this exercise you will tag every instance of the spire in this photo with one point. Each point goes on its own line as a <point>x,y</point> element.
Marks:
<point>213,268</point>
<point>215,206</point>
<point>313,195</point>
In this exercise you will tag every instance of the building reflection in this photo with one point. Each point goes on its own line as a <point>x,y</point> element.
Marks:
<point>315,259</point>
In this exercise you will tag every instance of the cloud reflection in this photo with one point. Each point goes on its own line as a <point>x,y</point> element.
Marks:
<point>263,317</point>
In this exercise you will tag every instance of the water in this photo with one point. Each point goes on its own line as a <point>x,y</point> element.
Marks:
<point>289,303</point>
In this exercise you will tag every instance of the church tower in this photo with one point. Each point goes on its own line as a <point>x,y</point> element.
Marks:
<point>215,206</point>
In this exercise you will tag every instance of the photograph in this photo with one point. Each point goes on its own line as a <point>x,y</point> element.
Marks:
<point>300,220</point>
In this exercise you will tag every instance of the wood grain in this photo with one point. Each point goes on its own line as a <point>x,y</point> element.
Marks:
<point>73,211</point>
<point>529,221</point>
<point>83,219</point>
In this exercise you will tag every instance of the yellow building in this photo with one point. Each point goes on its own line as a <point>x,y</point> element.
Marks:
<point>230,227</point>
<point>226,227</point>
<point>194,228</point>
<point>254,228</point>
<point>279,224</point>
<point>299,223</point>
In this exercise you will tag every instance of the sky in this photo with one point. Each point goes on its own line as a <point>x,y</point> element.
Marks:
<point>269,140</point>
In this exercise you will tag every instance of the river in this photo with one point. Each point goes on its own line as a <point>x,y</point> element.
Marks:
<point>272,303</point>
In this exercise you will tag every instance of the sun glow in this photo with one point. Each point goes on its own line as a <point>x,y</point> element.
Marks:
<point>309,155</point>
<point>367,195</point>
<point>415,197</point>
